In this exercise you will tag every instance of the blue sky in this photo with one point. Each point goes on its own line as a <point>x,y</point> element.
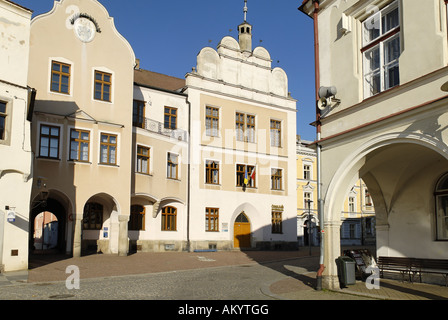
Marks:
<point>167,36</point>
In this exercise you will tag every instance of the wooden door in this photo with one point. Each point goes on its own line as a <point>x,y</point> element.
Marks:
<point>241,232</point>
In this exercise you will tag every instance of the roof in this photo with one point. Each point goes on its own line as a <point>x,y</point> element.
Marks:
<point>18,5</point>
<point>156,80</point>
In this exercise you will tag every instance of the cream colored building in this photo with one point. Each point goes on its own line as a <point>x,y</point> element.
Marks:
<point>15,136</point>
<point>243,124</point>
<point>82,130</point>
<point>358,212</point>
<point>388,124</point>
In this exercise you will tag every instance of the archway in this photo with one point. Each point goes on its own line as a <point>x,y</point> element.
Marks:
<point>242,232</point>
<point>48,225</point>
<point>400,173</point>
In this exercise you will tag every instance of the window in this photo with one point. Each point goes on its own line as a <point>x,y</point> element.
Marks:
<point>103,85</point>
<point>172,166</point>
<point>211,219</point>
<point>381,50</point>
<point>307,200</point>
<point>79,145</point>
<point>245,127</point>
<point>143,156</point>
<point>276,132</point>
<point>49,142</point>
<point>276,222</point>
<point>212,172</point>
<point>441,195</point>
<point>170,121</point>
<point>108,149</point>
<point>276,179</point>
<point>212,121</point>
<point>307,172</point>
<point>351,204</point>
<point>2,120</point>
<point>169,219</point>
<point>245,176</point>
<point>138,114</point>
<point>93,216</point>
<point>137,218</point>
<point>60,77</point>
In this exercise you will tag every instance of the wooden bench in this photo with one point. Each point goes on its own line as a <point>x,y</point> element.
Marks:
<point>412,267</point>
<point>430,266</point>
<point>400,264</point>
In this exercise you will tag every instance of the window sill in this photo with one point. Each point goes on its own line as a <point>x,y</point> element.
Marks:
<point>79,162</point>
<point>49,159</point>
<point>108,165</point>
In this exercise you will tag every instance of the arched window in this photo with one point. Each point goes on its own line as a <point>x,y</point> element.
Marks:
<point>137,218</point>
<point>441,196</point>
<point>169,219</point>
<point>93,216</point>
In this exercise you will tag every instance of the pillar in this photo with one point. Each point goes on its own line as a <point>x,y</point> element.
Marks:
<point>77,236</point>
<point>332,240</point>
<point>123,240</point>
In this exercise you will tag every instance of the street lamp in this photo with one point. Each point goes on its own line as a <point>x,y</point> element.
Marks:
<point>309,224</point>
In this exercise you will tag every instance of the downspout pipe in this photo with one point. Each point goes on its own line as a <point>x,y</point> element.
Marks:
<point>320,206</point>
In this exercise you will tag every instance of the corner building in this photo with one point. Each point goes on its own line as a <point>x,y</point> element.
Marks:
<point>388,60</point>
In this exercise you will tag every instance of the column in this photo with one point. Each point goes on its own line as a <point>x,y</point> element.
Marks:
<point>123,240</point>
<point>332,240</point>
<point>77,236</point>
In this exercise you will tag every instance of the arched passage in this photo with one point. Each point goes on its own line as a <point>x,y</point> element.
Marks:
<point>400,174</point>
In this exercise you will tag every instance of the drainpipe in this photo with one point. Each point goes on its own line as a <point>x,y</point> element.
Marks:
<point>188,173</point>
<point>320,206</point>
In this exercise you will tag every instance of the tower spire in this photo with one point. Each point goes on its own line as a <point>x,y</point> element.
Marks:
<point>245,10</point>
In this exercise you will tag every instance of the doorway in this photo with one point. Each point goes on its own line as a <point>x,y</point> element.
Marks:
<point>241,232</point>
<point>46,231</point>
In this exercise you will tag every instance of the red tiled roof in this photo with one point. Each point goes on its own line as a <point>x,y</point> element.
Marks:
<point>158,80</point>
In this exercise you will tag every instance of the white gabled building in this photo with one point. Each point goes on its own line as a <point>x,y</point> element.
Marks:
<point>16,156</point>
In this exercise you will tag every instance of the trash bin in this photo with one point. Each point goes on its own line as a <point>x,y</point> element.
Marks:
<point>346,270</point>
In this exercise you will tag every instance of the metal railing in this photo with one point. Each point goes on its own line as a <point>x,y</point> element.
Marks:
<point>159,128</point>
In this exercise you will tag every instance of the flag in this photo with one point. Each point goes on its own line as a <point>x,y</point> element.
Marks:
<point>246,180</point>
<point>252,175</point>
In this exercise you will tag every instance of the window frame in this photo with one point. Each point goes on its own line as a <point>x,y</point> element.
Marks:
<point>139,117</point>
<point>60,74</point>
<point>96,210</point>
<point>379,43</point>
<point>276,133</point>
<point>210,131</point>
<point>244,124</point>
<point>103,83</point>
<point>212,166</point>
<point>277,179</point>
<point>50,138</point>
<point>140,156</point>
<point>137,218</point>
<point>108,145</point>
<point>79,141</point>
<point>4,115</point>
<point>170,165</point>
<point>211,214</point>
<point>277,222</point>
<point>171,116</point>
<point>441,194</point>
<point>240,173</point>
<point>169,218</point>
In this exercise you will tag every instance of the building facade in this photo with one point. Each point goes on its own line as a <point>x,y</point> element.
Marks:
<point>358,212</point>
<point>15,136</point>
<point>242,161</point>
<point>126,159</point>
<point>387,123</point>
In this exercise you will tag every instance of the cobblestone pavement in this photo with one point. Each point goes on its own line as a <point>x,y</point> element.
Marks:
<point>233,275</point>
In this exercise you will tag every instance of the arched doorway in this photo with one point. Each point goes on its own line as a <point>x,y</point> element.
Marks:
<point>48,227</point>
<point>46,230</point>
<point>241,232</point>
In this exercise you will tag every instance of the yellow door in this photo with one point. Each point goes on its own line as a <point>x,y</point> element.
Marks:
<point>241,232</point>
